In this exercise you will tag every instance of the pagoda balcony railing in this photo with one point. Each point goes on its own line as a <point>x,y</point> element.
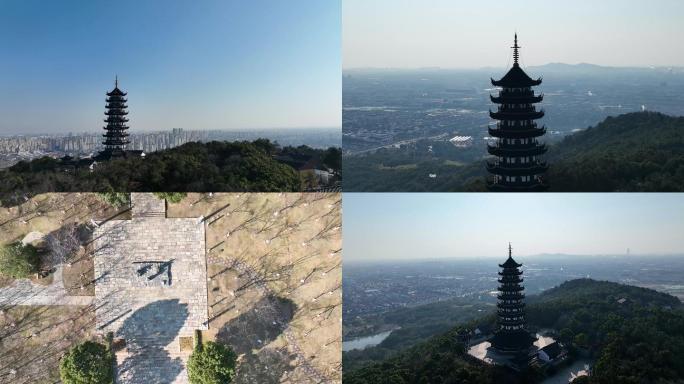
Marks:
<point>513,288</point>
<point>517,114</point>
<point>515,279</point>
<point>510,273</point>
<point>116,120</point>
<point>516,150</point>
<point>117,134</point>
<point>511,297</point>
<point>537,185</point>
<point>512,305</point>
<point>504,169</point>
<point>116,112</point>
<point>516,92</point>
<point>516,132</point>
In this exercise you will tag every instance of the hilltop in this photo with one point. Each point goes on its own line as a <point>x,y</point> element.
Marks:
<point>636,340</point>
<point>217,166</point>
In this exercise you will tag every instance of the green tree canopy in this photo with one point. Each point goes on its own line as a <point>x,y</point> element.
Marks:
<point>211,363</point>
<point>18,260</point>
<point>87,363</point>
<point>171,197</point>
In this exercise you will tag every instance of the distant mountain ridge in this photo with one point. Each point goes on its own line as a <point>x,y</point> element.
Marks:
<point>636,340</point>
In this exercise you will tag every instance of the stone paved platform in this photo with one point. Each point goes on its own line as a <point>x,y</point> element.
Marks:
<point>152,315</point>
<point>25,292</point>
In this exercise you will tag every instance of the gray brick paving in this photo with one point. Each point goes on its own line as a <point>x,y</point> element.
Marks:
<point>25,292</point>
<point>150,313</point>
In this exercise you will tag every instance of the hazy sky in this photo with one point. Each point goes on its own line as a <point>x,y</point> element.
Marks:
<point>209,64</point>
<point>452,225</point>
<point>466,34</point>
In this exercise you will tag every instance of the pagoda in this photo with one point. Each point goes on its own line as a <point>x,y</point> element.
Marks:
<point>116,137</point>
<point>511,336</point>
<point>518,165</point>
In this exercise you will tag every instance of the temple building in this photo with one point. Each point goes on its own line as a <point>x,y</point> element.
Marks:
<point>511,336</point>
<point>518,165</point>
<point>116,137</point>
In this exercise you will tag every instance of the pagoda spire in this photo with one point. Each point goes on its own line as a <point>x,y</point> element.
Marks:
<point>515,47</point>
<point>116,81</point>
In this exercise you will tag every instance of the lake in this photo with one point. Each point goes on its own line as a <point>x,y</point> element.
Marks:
<point>364,342</point>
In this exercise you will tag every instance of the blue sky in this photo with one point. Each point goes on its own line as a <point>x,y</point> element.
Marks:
<point>454,225</point>
<point>473,34</point>
<point>210,64</point>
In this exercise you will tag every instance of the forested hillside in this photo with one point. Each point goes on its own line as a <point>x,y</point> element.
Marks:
<point>633,152</point>
<point>193,167</point>
<point>636,340</point>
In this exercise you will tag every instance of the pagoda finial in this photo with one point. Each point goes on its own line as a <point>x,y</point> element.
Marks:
<point>510,250</point>
<point>116,81</point>
<point>515,47</point>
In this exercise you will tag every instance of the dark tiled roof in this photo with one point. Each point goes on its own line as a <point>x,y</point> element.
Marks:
<point>516,78</point>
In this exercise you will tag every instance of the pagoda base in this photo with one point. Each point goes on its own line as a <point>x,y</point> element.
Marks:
<point>501,187</point>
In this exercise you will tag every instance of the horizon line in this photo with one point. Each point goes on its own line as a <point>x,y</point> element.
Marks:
<point>680,66</point>
<point>453,258</point>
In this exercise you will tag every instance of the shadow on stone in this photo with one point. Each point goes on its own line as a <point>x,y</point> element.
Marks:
<point>265,367</point>
<point>147,331</point>
<point>251,331</point>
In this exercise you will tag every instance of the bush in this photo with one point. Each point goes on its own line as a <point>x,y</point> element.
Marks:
<point>171,197</point>
<point>18,260</point>
<point>115,199</point>
<point>87,363</point>
<point>211,363</point>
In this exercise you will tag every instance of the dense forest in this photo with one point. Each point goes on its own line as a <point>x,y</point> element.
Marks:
<point>193,167</point>
<point>641,151</point>
<point>636,340</point>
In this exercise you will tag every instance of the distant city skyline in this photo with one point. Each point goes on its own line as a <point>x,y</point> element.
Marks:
<point>462,34</point>
<point>214,64</point>
<point>422,226</point>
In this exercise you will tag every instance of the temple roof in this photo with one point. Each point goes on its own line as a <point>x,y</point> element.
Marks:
<point>116,91</point>
<point>516,78</point>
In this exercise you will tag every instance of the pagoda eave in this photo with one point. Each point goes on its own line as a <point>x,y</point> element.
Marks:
<point>516,115</point>
<point>516,100</point>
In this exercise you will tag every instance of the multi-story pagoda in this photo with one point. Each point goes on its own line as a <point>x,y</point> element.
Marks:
<point>511,336</point>
<point>518,165</point>
<point>116,137</point>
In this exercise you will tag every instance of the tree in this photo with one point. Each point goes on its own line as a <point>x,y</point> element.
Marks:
<point>211,363</point>
<point>87,363</point>
<point>115,199</point>
<point>581,340</point>
<point>171,197</point>
<point>333,158</point>
<point>18,260</point>
<point>566,335</point>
